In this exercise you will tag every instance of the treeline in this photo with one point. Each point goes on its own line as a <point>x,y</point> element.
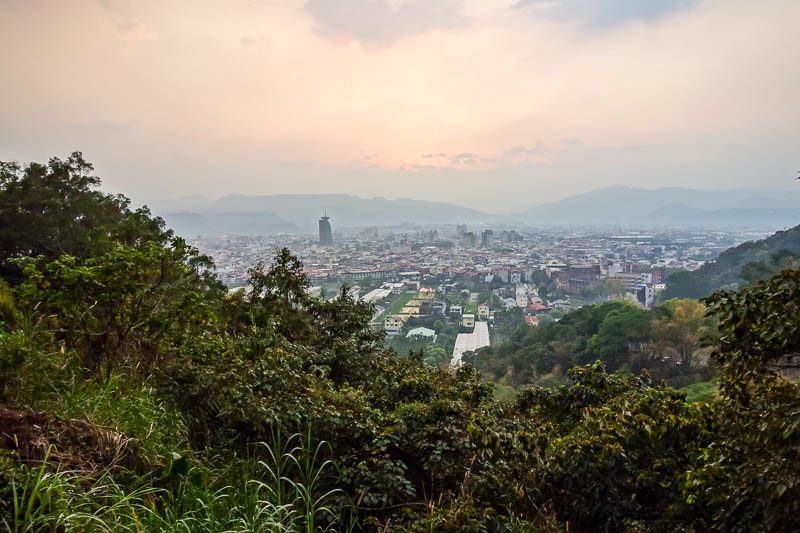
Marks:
<point>136,395</point>
<point>621,334</point>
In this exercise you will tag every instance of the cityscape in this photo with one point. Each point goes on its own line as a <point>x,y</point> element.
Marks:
<point>400,266</point>
<point>471,277</point>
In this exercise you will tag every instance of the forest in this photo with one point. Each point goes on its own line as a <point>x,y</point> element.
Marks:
<point>664,340</point>
<point>137,394</point>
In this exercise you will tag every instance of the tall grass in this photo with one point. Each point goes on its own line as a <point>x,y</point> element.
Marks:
<point>279,488</point>
<point>132,408</point>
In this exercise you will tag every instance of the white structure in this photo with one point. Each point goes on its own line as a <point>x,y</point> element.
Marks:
<point>483,312</point>
<point>422,332</point>
<point>469,342</point>
<point>393,324</point>
<point>376,295</point>
<point>468,320</point>
<point>632,280</point>
<point>521,296</point>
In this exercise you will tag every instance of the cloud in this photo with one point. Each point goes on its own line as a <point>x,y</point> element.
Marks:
<point>539,152</point>
<point>464,158</point>
<point>603,14</point>
<point>380,23</point>
<point>126,27</point>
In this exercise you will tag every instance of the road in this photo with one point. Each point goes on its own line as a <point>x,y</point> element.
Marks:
<point>469,342</point>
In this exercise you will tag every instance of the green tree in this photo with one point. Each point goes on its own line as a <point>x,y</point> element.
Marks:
<point>127,306</point>
<point>750,478</point>
<point>56,209</point>
<point>681,329</point>
<point>279,295</point>
<point>623,332</point>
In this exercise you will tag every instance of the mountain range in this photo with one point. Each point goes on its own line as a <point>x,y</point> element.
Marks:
<point>298,213</point>
<point>627,206</point>
<point>672,206</point>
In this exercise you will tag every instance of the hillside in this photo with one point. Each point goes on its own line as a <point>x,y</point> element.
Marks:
<point>748,262</point>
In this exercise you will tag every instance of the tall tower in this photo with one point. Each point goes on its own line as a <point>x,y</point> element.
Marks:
<point>325,235</point>
<point>486,238</point>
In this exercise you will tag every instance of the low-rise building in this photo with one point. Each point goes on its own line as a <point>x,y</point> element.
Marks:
<point>393,324</point>
<point>422,332</point>
<point>483,311</point>
<point>468,320</point>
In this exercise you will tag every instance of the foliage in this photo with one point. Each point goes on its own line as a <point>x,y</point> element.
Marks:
<point>56,209</point>
<point>619,333</point>
<point>130,335</point>
<point>749,479</point>
<point>277,493</point>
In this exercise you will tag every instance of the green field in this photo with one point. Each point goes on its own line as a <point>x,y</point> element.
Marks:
<point>399,301</point>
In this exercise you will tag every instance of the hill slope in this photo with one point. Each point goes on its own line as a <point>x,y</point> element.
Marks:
<point>747,262</point>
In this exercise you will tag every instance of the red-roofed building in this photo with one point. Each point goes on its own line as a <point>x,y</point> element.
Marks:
<point>532,320</point>
<point>536,308</point>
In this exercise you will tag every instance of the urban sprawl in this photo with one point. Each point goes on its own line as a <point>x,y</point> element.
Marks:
<point>471,279</point>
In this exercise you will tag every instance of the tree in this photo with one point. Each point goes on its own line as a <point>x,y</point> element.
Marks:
<point>622,332</point>
<point>124,306</point>
<point>750,479</point>
<point>279,294</point>
<point>55,209</point>
<point>681,329</point>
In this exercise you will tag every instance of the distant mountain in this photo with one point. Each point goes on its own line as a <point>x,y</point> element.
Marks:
<point>746,216</point>
<point>230,223</point>
<point>619,205</point>
<point>748,262</point>
<point>291,213</point>
<point>672,206</point>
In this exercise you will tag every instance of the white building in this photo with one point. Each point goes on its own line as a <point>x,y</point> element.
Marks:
<point>393,324</point>
<point>468,320</point>
<point>422,332</point>
<point>632,280</point>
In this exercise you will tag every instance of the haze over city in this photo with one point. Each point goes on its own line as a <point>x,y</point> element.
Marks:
<point>495,106</point>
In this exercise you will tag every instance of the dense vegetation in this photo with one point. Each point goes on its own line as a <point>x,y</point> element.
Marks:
<point>738,266</point>
<point>619,333</point>
<point>135,395</point>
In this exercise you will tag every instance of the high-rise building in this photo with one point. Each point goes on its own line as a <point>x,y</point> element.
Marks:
<point>486,238</point>
<point>325,235</point>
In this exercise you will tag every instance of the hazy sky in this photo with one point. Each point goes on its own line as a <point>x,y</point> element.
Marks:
<point>496,105</point>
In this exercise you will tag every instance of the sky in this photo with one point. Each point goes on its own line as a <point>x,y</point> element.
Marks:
<point>496,105</point>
